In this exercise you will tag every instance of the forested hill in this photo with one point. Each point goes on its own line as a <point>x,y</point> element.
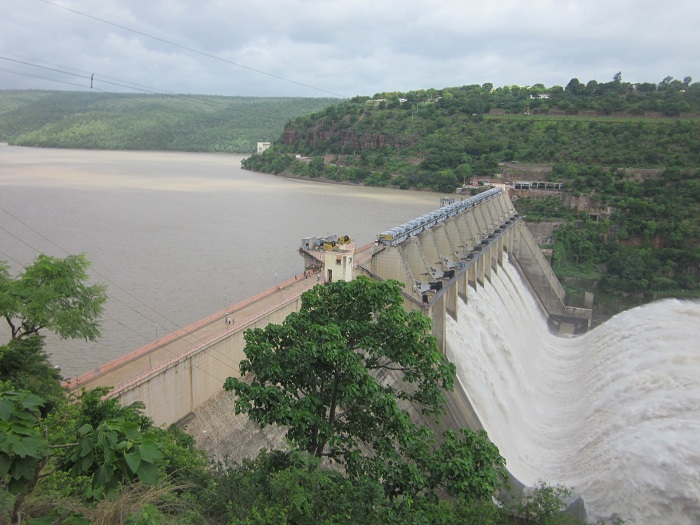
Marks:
<point>97,120</point>
<point>438,138</point>
<point>627,155</point>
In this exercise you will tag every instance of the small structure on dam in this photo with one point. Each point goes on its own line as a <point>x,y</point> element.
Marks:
<point>334,253</point>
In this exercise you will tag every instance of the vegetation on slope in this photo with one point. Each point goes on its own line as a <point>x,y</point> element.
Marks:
<point>647,248</point>
<point>630,148</point>
<point>438,138</point>
<point>89,120</point>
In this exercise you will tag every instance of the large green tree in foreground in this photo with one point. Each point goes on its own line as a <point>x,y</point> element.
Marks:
<point>345,373</point>
<point>52,294</point>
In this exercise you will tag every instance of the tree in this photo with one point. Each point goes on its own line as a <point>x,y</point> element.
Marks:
<point>313,373</point>
<point>52,293</point>
<point>546,504</point>
<point>323,374</point>
<point>574,87</point>
<point>111,454</point>
<point>23,446</point>
<point>26,366</point>
<point>278,487</point>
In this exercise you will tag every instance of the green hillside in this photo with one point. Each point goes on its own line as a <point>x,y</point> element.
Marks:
<point>628,156</point>
<point>91,120</point>
<point>437,138</point>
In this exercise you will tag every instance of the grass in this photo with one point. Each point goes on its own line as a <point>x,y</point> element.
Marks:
<point>588,271</point>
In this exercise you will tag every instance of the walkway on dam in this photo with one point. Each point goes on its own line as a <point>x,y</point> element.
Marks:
<point>180,342</point>
<point>176,344</point>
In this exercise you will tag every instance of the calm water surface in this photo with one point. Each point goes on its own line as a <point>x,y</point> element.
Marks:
<point>175,236</point>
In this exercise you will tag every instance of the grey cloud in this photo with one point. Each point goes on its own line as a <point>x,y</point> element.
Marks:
<point>350,48</point>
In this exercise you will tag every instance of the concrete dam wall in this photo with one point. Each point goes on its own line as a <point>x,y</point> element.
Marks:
<point>440,257</point>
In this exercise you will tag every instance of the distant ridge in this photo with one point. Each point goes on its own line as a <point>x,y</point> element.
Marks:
<point>114,121</point>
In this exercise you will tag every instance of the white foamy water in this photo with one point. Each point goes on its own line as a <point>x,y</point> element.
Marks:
<point>613,414</point>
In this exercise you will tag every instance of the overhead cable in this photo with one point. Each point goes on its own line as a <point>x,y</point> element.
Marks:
<point>192,50</point>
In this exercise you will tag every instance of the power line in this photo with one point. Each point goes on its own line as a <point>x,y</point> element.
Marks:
<point>134,87</point>
<point>32,62</point>
<point>185,336</point>
<point>177,327</point>
<point>11,258</point>
<point>40,78</point>
<point>64,251</point>
<point>192,50</point>
<point>91,77</point>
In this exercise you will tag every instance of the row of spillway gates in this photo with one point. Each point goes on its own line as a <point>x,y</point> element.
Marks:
<point>439,255</point>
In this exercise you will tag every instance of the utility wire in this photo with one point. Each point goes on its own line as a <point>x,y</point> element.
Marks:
<point>10,257</point>
<point>24,74</point>
<point>32,62</point>
<point>41,78</point>
<point>221,358</point>
<point>177,327</point>
<point>64,251</point>
<point>154,91</point>
<point>192,50</point>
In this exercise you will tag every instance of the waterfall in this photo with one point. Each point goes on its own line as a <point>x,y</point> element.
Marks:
<point>613,414</point>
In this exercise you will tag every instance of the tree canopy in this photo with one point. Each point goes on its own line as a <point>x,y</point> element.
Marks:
<point>52,294</point>
<point>344,374</point>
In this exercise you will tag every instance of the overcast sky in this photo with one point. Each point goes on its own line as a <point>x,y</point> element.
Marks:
<point>319,48</point>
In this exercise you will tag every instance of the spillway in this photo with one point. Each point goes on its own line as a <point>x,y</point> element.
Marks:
<point>613,414</point>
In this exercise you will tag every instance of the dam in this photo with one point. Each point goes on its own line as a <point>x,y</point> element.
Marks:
<point>476,271</point>
<point>439,257</point>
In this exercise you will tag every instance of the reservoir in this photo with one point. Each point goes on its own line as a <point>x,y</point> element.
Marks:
<point>175,237</point>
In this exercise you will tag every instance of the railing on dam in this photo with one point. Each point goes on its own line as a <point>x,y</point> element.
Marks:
<point>178,343</point>
<point>240,325</point>
<point>400,233</point>
<point>183,375</point>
